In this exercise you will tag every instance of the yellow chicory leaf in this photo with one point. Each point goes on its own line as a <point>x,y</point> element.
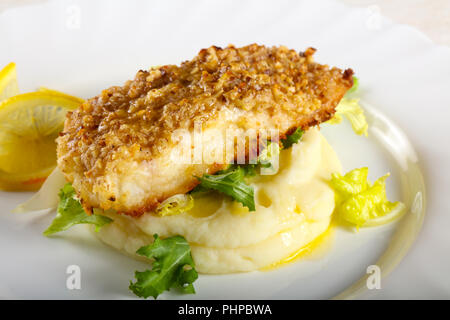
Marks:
<point>358,201</point>
<point>350,108</point>
<point>175,205</point>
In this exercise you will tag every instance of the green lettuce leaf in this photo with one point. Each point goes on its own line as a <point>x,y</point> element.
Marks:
<point>292,138</point>
<point>173,267</point>
<point>70,212</point>
<point>357,200</point>
<point>265,160</point>
<point>230,182</point>
<point>355,86</point>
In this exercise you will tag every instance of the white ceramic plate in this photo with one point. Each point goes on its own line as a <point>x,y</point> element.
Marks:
<point>82,47</point>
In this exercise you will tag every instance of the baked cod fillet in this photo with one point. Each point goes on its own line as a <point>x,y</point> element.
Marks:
<point>117,148</point>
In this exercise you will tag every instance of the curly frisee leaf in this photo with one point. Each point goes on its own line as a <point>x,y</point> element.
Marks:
<point>172,267</point>
<point>70,213</point>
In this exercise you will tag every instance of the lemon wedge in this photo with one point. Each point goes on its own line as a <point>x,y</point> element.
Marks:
<point>8,82</point>
<point>30,123</point>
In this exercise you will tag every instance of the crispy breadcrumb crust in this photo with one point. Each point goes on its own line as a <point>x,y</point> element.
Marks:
<point>266,86</point>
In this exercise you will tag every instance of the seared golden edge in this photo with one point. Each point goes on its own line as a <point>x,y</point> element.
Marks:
<point>114,148</point>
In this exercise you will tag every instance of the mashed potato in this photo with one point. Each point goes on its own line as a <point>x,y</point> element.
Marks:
<point>293,208</point>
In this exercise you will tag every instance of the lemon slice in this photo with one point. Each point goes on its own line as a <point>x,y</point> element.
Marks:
<point>8,82</point>
<point>61,94</point>
<point>29,124</point>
